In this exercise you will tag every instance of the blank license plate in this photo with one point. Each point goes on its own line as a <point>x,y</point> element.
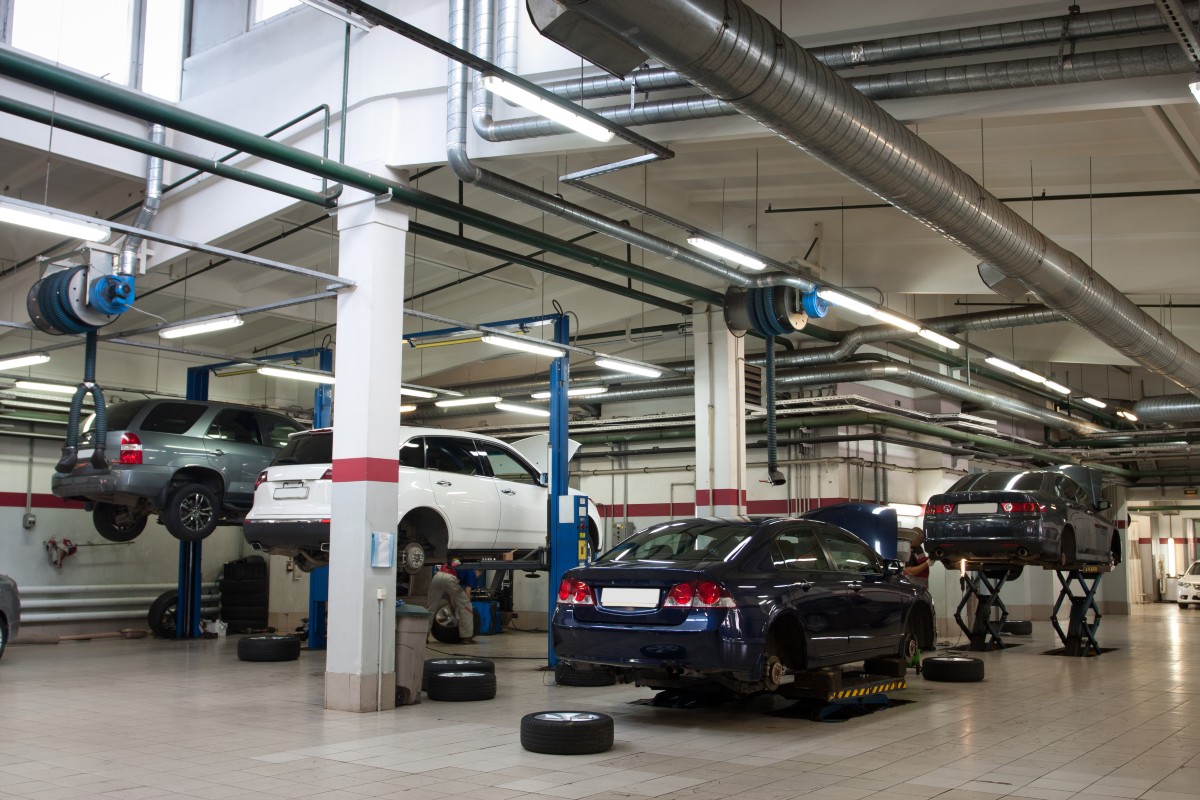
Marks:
<point>629,598</point>
<point>977,508</point>
<point>290,493</point>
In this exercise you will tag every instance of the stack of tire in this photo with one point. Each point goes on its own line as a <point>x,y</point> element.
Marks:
<point>244,594</point>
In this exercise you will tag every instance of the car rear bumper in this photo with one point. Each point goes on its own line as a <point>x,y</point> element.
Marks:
<point>287,534</point>
<point>120,484</point>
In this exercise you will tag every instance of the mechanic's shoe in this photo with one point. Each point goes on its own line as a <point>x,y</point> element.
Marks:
<point>467,641</point>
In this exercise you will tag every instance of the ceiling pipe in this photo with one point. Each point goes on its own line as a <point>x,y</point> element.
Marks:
<point>153,199</point>
<point>737,55</point>
<point>1168,408</point>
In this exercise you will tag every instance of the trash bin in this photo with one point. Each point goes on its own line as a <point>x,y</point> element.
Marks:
<point>412,626</point>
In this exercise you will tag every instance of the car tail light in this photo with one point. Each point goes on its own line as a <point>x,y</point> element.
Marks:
<point>262,478</point>
<point>699,594</point>
<point>1022,508</point>
<point>575,593</point>
<point>327,475</point>
<point>131,449</point>
<point>938,509</point>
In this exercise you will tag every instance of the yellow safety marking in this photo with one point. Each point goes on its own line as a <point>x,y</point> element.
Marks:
<point>582,551</point>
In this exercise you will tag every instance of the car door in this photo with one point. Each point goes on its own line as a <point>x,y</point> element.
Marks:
<point>877,606</point>
<point>524,519</point>
<point>467,495</point>
<point>235,447</point>
<point>1081,517</point>
<point>808,586</point>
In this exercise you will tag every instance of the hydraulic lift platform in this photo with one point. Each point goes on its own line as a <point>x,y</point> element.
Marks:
<point>838,689</point>
<point>984,631</point>
<point>1079,639</point>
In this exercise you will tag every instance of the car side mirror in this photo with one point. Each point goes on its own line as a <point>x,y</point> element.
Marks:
<point>1103,505</point>
<point>892,567</point>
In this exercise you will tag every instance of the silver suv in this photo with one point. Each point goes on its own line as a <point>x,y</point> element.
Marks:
<point>193,463</point>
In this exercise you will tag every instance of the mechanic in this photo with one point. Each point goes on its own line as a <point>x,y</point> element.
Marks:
<point>447,582</point>
<point>917,568</point>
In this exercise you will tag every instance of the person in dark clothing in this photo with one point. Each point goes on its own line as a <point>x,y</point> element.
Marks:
<point>448,583</point>
<point>917,568</point>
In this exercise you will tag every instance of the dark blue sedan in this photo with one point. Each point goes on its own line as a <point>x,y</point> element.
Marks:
<point>737,602</point>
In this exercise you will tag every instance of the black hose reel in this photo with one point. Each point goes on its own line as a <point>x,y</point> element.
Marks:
<point>771,311</point>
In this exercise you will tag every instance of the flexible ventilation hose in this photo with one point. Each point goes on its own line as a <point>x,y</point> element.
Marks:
<point>70,451</point>
<point>774,476</point>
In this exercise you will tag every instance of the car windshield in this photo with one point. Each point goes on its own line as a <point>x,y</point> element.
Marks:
<point>1194,569</point>
<point>1001,481</point>
<point>306,448</point>
<point>681,542</point>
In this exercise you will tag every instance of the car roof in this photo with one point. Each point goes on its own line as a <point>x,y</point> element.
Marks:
<point>410,431</point>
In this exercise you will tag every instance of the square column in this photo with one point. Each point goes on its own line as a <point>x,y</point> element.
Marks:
<point>720,416</point>
<point>360,662</point>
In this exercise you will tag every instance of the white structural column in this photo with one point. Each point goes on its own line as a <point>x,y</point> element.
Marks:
<point>360,664</point>
<point>720,416</point>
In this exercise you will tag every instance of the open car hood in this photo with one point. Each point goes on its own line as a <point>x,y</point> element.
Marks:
<point>536,450</point>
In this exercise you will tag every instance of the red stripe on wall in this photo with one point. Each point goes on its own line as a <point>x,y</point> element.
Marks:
<point>17,500</point>
<point>354,470</point>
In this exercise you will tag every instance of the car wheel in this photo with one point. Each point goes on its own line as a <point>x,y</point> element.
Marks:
<point>192,511</point>
<point>414,557</point>
<point>1066,555</point>
<point>445,624</point>
<point>161,618</point>
<point>567,733</point>
<point>909,643</point>
<point>118,523</point>
<point>3,634</point>
<point>268,648</point>
<point>1017,627</point>
<point>570,675</point>
<point>1183,606</point>
<point>436,666</point>
<point>461,686</point>
<point>952,669</point>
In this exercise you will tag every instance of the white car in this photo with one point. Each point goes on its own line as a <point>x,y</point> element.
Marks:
<point>1189,586</point>
<point>458,492</point>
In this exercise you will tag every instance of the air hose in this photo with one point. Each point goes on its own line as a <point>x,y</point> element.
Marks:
<point>70,451</point>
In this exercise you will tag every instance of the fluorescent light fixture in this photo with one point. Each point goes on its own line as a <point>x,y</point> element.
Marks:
<point>1007,366</point>
<point>516,409</point>
<point>1031,376</point>
<point>627,368</point>
<point>311,376</point>
<point>23,361</point>
<point>338,14</point>
<point>604,169</point>
<point>889,318</point>
<point>1058,387</point>
<point>207,326</point>
<point>421,393</point>
<point>1129,415</point>
<point>6,403</point>
<point>44,219</point>
<point>38,386</point>
<point>524,345</point>
<point>1091,401</point>
<point>467,401</point>
<point>937,338</point>
<point>551,111</point>
<point>407,408</point>
<point>727,253</point>
<point>846,302</point>
<point>578,391</point>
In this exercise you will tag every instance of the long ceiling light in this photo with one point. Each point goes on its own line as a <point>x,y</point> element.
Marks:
<point>937,338</point>
<point>44,219</point>
<point>1007,366</point>
<point>577,391</point>
<point>1057,387</point>
<point>1091,401</point>
<point>524,345</point>
<point>468,401</point>
<point>207,326</point>
<point>38,386</point>
<point>726,252</point>
<point>337,13</point>
<point>538,105</point>
<point>406,408</point>
<point>23,361</point>
<point>627,368</point>
<point>516,409</point>
<point>407,391</point>
<point>1129,415</point>
<point>889,318</point>
<point>296,374</point>
<point>846,302</point>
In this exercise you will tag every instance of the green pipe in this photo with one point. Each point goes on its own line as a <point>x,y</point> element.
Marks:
<point>29,70</point>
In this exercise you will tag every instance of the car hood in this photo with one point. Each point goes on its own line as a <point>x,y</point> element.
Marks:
<point>536,450</point>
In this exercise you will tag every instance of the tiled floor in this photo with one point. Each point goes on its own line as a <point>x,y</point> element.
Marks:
<point>152,719</point>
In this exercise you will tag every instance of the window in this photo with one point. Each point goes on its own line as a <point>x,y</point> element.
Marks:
<point>797,550</point>
<point>265,9</point>
<point>235,425</point>
<point>1004,481</point>
<point>447,454</point>
<point>172,417</point>
<point>277,429</point>
<point>412,454</point>
<point>849,554</point>
<point>95,36</point>
<point>119,415</point>
<point>162,53</point>
<point>706,541</point>
<point>311,448</point>
<point>506,465</point>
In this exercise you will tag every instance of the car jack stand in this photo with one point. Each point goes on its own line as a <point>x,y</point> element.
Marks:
<point>984,632</point>
<point>1080,636</point>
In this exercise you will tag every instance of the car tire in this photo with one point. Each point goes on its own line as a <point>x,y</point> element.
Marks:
<point>3,634</point>
<point>161,617</point>
<point>567,733</point>
<point>244,606</point>
<point>1183,606</point>
<point>952,669</point>
<point>910,645</point>
<point>1017,627</point>
<point>1066,553</point>
<point>569,675</point>
<point>461,686</point>
<point>117,523</point>
<point>437,666</point>
<point>445,624</point>
<point>251,587</point>
<point>268,648</point>
<point>192,512</point>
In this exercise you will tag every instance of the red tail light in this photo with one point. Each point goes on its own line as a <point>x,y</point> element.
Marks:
<point>131,449</point>
<point>327,475</point>
<point>575,593</point>
<point>699,594</point>
<point>262,477</point>
<point>936,509</point>
<point>1022,508</point>
<point>681,594</point>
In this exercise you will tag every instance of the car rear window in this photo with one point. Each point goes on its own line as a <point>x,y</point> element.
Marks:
<point>119,415</point>
<point>169,418</point>
<point>676,543</point>
<point>1001,481</point>
<point>308,448</point>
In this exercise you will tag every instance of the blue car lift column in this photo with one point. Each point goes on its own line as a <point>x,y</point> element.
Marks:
<point>318,579</point>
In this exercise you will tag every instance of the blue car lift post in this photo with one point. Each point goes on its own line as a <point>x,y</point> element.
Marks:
<point>983,632</point>
<point>188,604</point>
<point>1080,637</point>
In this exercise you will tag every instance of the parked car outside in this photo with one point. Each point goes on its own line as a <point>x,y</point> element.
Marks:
<point>1189,586</point>
<point>194,463</point>
<point>458,492</point>
<point>737,602</point>
<point>1036,517</point>
<point>10,611</point>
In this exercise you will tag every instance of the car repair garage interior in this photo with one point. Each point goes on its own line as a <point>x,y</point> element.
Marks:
<point>599,399</point>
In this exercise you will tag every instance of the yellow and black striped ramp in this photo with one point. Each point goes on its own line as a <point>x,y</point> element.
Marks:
<point>874,688</point>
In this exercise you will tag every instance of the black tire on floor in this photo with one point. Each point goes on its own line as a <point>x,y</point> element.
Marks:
<point>952,669</point>
<point>1018,627</point>
<point>251,587</point>
<point>436,666</point>
<point>161,618</point>
<point>192,512</point>
<point>445,625</point>
<point>570,675</point>
<point>461,686</point>
<point>268,648</point>
<point>118,523</point>
<point>248,606</point>
<point>566,733</point>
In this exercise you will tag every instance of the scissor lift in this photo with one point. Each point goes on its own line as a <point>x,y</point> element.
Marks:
<point>984,630</point>
<point>1080,637</point>
<point>837,688</point>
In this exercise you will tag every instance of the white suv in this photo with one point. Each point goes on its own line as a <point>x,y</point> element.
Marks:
<point>458,492</point>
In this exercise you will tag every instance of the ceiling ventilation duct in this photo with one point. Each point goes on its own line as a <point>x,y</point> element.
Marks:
<point>737,55</point>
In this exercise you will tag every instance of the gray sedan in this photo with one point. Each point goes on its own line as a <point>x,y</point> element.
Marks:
<point>10,611</point>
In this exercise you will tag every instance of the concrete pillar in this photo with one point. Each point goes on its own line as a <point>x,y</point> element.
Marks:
<point>360,664</point>
<point>720,416</point>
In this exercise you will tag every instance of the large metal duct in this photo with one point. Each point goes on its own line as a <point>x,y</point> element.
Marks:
<point>150,204</point>
<point>736,55</point>
<point>1168,408</point>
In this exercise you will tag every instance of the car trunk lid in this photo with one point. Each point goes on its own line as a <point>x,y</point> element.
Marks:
<point>633,594</point>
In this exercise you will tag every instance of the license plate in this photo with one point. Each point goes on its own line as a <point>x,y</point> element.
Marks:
<point>290,493</point>
<point>977,508</point>
<point>620,596</point>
